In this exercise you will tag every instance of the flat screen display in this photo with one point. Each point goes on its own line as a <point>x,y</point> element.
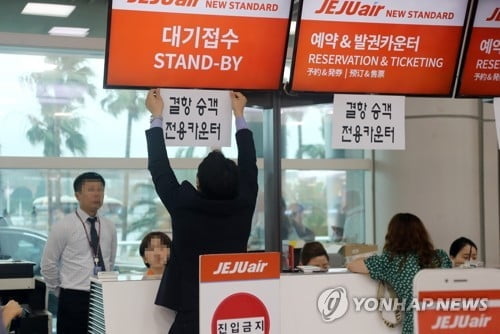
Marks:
<point>404,47</point>
<point>211,44</point>
<point>480,76</point>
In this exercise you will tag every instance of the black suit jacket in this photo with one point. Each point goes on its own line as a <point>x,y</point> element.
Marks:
<point>200,225</point>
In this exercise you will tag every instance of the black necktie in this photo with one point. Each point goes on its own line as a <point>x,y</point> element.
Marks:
<point>94,242</point>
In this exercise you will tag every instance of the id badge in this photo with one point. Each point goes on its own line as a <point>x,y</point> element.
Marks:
<point>97,269</point>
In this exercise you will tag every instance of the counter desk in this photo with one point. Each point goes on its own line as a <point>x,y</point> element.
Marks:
<point>333,302</point>
<point>126,305</point>
<point>309,303</point>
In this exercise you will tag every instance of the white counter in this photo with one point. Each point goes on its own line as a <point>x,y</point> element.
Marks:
<point>306,308</point>
<point>126,306</point>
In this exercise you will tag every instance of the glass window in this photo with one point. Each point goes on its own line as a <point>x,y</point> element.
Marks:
<point>326,206</point>
<point>22,244</point>
<point>130,201</point>
<point>320,201</point>
<point>306,134</point>
<point>54,106</point>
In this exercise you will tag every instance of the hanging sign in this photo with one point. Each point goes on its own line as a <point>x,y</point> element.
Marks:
<point>194,117</point>
<point>240,293</point>
<point>368,122</point>
<point>214,44</point>
<point>403,47</point>
<point>480,76</point>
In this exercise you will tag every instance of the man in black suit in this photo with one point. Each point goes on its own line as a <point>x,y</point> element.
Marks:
<point>215,217</point>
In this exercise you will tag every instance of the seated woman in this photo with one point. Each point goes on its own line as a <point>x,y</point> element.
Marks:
<point>314,254</point>
<point>408,249</point>
<point>155,252</point>
<point>462,251</point>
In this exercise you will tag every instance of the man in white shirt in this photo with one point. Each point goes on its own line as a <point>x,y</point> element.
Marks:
<point>79,245</point>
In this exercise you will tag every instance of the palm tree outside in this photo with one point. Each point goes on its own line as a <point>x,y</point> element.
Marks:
<point>60,92</point>
<point>131,102</point>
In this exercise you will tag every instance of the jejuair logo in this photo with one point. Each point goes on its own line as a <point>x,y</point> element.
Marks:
<point>333,304</point>
<point>495,16</point>
<point>337,7</point>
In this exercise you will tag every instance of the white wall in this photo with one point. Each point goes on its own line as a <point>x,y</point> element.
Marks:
<point>439,175</point>
<point>491,183</point>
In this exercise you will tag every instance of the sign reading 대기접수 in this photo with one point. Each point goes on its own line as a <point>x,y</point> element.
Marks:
<point>193,117</point>
<point>481,73</point>
<point>404,47</point>
<point>368,122</point>
<point>211,44</point>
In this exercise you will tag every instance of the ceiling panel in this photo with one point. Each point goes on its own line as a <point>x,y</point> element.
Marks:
<point>90,14</point>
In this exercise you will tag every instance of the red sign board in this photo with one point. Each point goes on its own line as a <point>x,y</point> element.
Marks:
<point>405,47</point>
<point>217,44</point>
<point>239,293</point>
<point>480,76</point>
<point>459,312</point>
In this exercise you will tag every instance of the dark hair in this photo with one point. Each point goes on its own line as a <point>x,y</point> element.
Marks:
<point>407,234</point>
<point>311,250</point>
<point>164,239</point>
<point>218,176</point>
<point>80,179</point>
<point>458,244</point>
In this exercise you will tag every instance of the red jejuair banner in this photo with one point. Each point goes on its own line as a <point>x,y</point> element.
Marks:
<point>406,47</point>
<point>216,44</point>
<point>480,76</point>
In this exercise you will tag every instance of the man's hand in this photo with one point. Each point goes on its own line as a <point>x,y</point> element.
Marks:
<point>238,102</point>
<point>10,311</point>
<point>154,102</point>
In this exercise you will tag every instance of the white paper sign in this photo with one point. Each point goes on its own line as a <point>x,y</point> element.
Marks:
<point>496,109</point>
<point>368,122</point>
<point>194,117</point>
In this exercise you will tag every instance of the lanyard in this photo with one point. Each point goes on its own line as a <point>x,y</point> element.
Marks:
<point>95,252</point>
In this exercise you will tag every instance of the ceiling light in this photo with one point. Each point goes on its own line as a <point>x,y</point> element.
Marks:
<point>47,9</point>
<point>69,31</point>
